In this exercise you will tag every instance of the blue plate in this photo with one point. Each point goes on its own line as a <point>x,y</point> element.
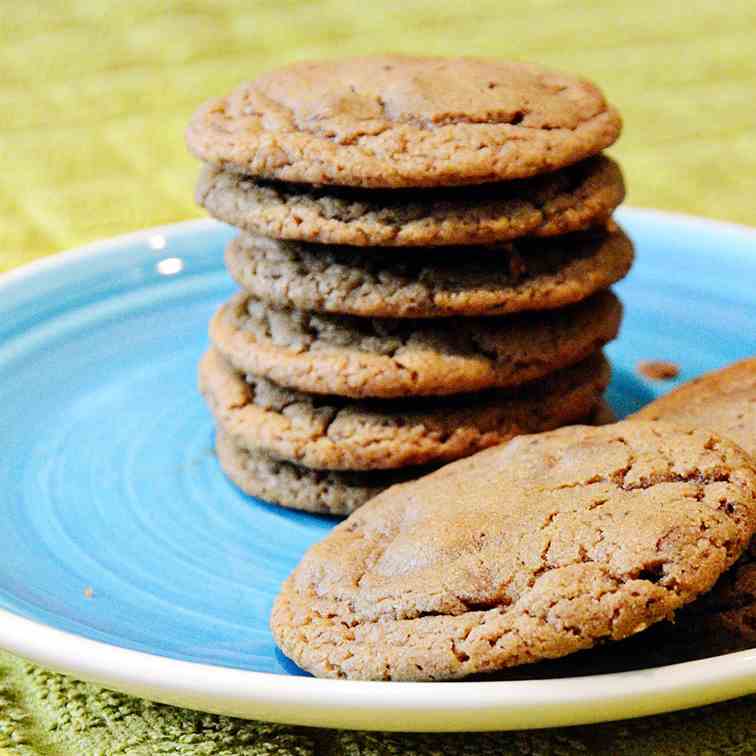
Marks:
<point>118,525</point>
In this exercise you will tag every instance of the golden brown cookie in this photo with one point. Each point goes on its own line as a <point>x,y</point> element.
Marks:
<point>398,121</point>
<point>370,357</point>
<point>555,203</point>
<point>536,549</point>
<point>337,434</point>
<point>295,487</point>
<point>442,281</point>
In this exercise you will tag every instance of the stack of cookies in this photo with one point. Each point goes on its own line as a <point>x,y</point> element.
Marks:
<point>424,260</point>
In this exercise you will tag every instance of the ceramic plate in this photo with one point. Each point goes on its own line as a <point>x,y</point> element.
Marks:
<point>130,561</point>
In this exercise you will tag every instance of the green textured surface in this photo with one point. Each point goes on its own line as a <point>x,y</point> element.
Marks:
<point>94,98</point>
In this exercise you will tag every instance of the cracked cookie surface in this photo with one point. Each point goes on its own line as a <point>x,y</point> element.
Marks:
<point>329,433</point>
<point>288,485</point>
<point>441,282</point>
<point>536,549</point>
<point>556,203</point>
<point>399,121</point>
<point>372,357</point>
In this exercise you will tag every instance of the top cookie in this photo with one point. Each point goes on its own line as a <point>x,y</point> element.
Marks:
<point>399,121</point>
<point>535,549</point>
<point>723,401</point>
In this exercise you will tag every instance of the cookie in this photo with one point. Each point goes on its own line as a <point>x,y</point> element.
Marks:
<point>723,401</point>
<point>370,357</point>
<point>289,485</point>
<point>397,121</point>
<point>337,434</point>
<point>536,549</point>
<point>556,203</point>
<point>443,281</point>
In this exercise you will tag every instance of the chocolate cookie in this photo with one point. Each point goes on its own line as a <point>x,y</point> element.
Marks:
<point>536,549</point>
<point>337,434</point>
<point>370,357</point>
<point>556,203</point>
<point>398,121</point>
<point>442,281</point>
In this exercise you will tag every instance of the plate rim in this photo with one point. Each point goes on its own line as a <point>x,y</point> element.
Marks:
<point>430,707</point>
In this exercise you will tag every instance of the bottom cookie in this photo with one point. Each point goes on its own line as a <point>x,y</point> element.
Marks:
<point>324,491</point>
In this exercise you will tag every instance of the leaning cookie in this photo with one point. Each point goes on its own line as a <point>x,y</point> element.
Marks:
<point>536,549</point>
<point>296,487</point>
<point>336,434</point>
<point>371,357</point>
<point>439,282</point>
<point>397,121</point>
<point>553,204</point>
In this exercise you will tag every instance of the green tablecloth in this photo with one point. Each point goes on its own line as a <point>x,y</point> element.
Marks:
<point>93,101</point>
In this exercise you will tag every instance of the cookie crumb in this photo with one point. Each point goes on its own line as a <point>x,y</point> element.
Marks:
<point>658,370</point>
<point>88,592</point>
